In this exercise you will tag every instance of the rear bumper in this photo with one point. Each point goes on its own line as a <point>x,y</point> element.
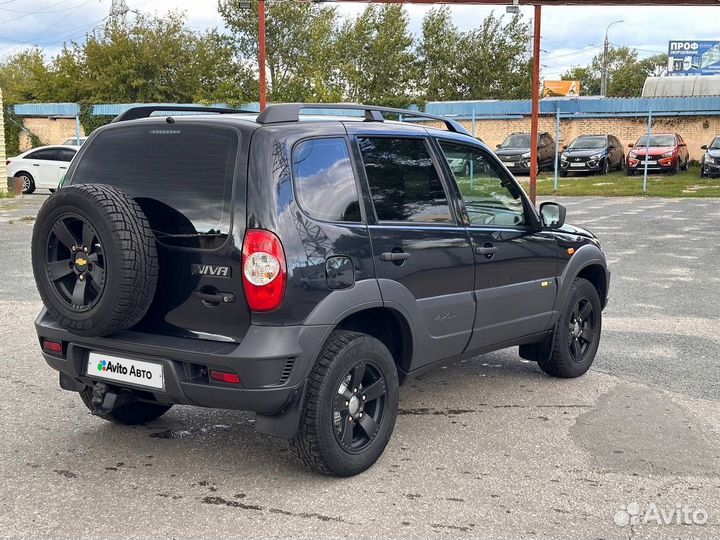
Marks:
<point>272,363</point>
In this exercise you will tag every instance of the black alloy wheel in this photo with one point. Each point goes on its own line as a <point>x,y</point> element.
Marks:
<point>359,409</point>
<point>581,329</point>
<point>75,262</point>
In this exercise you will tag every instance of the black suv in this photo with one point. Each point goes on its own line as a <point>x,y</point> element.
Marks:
<point>179,264</point>
<point>592,153</point>
<point>514,152</point>
<point>710,163</point>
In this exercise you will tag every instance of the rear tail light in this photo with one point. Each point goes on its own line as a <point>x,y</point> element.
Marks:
<point>264,270</point>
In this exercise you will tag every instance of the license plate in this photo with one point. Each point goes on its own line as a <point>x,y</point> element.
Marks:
<point>651,162</point>
<point>577,164</point>
<point>125,370</point>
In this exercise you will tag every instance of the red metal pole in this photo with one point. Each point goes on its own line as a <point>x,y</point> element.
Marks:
<point>261,54</point>
<point>535,105</point>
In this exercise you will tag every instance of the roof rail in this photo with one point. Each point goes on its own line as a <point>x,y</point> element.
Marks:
<point>290,112</point>
<point>144,111</point>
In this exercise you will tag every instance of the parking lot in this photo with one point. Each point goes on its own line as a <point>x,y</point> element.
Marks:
<point>488,447</point>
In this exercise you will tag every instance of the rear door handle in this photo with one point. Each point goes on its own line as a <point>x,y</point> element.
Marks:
<point>36,164</point>
<point>215,298</point>
<point>392,256</point>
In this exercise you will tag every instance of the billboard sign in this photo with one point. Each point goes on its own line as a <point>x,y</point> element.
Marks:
<point>694,58</point>
<point>561,88</point>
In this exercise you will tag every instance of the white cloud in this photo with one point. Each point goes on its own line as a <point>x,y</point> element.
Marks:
<point>566,30</point>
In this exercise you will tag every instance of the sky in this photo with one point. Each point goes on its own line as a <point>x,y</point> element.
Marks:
<point>571,35</point>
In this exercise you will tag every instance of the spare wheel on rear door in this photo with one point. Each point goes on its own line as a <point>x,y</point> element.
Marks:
<point>94,259</point>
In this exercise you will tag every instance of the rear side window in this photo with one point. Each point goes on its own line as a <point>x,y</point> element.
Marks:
<point>182,176</point>
<point>324,180</point>
<point>404,183</point>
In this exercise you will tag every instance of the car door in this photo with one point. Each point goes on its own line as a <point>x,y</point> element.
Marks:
<point>44,167</point>
<point>547,153</point>
<point>422,255</point>
<point>515,262</point>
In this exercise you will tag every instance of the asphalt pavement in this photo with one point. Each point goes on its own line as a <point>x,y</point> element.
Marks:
<point>485,448</point>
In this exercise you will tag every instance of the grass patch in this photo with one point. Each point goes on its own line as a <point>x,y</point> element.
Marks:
<point>7,195</point>
<point>617,184</point>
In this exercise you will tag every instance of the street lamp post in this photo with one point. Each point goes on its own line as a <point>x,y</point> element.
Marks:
<point>606,50</point>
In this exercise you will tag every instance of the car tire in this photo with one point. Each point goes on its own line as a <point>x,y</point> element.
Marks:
<point>629,171</point>
<point>94,259</point>
<point>621,165</point>
<point>577,333</point>
<point>340,433</point>
<point>686,166</point>
<point>563,174</point>
<point>28,182</point>
<point>676,169</point>
<point>606,167</point>
<point>129,414</point>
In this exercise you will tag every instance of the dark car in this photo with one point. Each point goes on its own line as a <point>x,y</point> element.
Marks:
<point>710,163</point>
<point>514,152</point>
<point>173,264</point>
<point>592,153</point>
<point>665,152</point>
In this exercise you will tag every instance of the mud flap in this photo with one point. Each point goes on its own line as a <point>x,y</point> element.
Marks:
<point>286,422</point>
<point>536,351</point>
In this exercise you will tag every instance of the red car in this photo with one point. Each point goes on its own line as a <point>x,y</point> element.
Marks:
<point>667,152</point>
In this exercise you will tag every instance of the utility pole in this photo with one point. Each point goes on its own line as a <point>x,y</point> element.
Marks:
<point>119,10</point>
<point>261,54</point>
<point>605,60</point>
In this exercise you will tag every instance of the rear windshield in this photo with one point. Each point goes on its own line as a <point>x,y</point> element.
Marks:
<point>182,177</point>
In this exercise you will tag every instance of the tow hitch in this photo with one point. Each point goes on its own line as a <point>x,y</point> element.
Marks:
<point>103,401</point>
<point>107,398</point>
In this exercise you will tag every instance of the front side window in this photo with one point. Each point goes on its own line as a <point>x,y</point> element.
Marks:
<point>490,196</point>
<point>324,180</point>
<point>49,154</point>
<point>66,155</point>
<point>404,184</point>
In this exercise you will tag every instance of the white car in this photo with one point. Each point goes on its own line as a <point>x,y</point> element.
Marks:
<point>74,141</point>
<point>41,168</point>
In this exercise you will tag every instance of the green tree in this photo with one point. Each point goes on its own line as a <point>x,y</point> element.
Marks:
<point>490,62</point>
<point>438,56</point>
<point>378,64</point>
<point>24,76</point>
<point>301,47</point>
<point>626,73</point>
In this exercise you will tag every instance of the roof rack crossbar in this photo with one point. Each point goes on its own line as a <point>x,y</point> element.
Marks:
<point>290,112</point>
<point>145,111</point>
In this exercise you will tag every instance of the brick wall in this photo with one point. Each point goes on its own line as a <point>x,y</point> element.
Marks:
<point>50,131</point>
<point>695,130</point>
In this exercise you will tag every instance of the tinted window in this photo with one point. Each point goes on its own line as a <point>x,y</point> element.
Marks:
<point>181,176</point>
<point>403,181</point>
<point>324,180</point>
<point>588,143</point>
<point>47,153</point>
<point>66,155</point>
<point>490,196</point>
<point>517,140</point>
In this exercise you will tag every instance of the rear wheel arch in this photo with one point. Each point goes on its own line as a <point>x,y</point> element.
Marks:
<point>388,326</point>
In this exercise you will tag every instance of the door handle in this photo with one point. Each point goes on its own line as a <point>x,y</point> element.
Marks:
<point>488,250</point>
<point>63,167</point>
<point>36,164</point>
<point>393,256</point>
<point>215,298</point>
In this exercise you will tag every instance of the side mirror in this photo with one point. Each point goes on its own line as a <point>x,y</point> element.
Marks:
<point>631,145</point>
<point>552,215</point>
<point>612,147</point>
<point>498,145</point>
<point>703,147</point>
<point>682,144</point>
<point>541,146</point>
<point>565,146</point>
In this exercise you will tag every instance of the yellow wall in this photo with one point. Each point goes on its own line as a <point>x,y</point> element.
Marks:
<point>50,131</point>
